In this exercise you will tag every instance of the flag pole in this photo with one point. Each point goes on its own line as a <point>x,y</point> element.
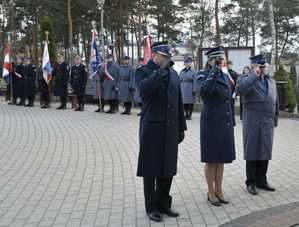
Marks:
<point>49,84</point>
<point>10,66</point>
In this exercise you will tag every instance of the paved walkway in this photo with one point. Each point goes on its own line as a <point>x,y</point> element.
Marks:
<point>66,168</point>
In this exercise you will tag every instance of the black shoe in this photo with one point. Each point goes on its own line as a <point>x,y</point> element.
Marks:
<point>222,200</point>
<point>129,112</point>
<point>125,112</point>
<point>170,212</point>
<point>252,190</point>
<point>60,107</point>
<point>27,105</point>
<point>63,108</point>
<point>112,112</point>
<point>9,103</point>
<point>98,110</point>
<point>139,114</point>
<point>188,117</point>
<point>267,187</point>
<point>155,216</point>
<point>82,109</point>
<point>78,108</point>
<point>46,106</point>
<point>31,105</point>
<point>214,203</point>
<point>20,104</point>
<point>108,111</point>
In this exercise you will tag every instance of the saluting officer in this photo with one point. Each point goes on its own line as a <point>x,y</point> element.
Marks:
<point>137,98</point>
<point>162,127</point>
<point>62,76</point>
<point>78,82</point>
<point>95,85</point>
<point>18,87</point>
<point>126,73</point>
<point>43,87</point>
<point>260,116</point>
<point>188,87</point>
<point>28,78</point>
<point>111,74</point>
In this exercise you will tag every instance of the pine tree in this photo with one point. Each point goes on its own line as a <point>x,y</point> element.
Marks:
<point>291,98</point>
<point>293,75</point>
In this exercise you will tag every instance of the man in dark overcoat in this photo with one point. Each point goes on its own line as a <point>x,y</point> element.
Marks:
<point>162,126</point>
<point>79,81</point>
<point>260,116</point>
<point>111,73</point>
<point>12,80</point>
<point>126,74</point>
<point>95,86</point>
<point>18,86</point>
<point>28,79</point>
<point>61,73</point>
<point>43,88</point>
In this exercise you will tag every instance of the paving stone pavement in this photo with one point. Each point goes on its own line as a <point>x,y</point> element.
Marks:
<point>66,168</point>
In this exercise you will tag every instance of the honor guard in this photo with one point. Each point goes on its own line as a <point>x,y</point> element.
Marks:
<point>78,82</point>
<point>126,74</point>
<point>13,65</point>
<point>260,116</point>
<point>61,72</point>
<point>137,98</point>
<point>28,78</point>
<point>19,87</point>
<point>43,88</point>
<point>189,87</point>
<point>95,86</point>
<point>162,126</point>
<point>111,74</point>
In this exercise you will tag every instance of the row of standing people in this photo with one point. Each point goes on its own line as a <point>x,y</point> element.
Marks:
<point>162,126</point>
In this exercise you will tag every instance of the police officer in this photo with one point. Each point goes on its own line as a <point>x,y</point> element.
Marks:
<point>12,80</point>
<point>61,72</point>
<point>162,127</point>
<point>188,87</point>
<point>43,88</point>
<point>137,98</point>
<point>28,79</point>
<point>95,85</point>
<point>78,82</point>
<point>19,87</point>
<point>260,116</point>
<point>111,75</point>
<point>216,123</point>
<point>126,74</point>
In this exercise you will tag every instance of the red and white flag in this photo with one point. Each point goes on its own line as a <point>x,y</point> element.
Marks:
<point>224,69</point>
<point>7,67</point>
<point>148,51</point>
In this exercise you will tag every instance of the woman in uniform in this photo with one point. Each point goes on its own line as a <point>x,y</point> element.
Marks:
<point>216,123</point>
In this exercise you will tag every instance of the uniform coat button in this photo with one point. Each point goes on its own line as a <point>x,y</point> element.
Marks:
<point>227,112</point>
<point>168,120</point>
<point>227,101</point>
<point>226,90</point>
<point>168,106</point>
<point>228,124</point>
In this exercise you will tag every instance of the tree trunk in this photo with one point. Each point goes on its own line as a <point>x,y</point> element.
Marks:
<point>70,31</point>
<point>36,38</point>
<point>217,23</point>
<point>29,37</point>
<point>33,34</point>
<point>282,50</point>
<point>272,26</point>
<point>139,35</point>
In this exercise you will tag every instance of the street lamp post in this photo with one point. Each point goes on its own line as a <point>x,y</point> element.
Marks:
<point>101,3</point>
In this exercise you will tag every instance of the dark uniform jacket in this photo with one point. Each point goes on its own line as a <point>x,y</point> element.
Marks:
<point>17,78</point>
<point>161,121</point>
<point>79,79</point>
<point>260,115</point>
<point>62,76</point>
<point>217,117</point>
<point>28,79</point>
<point>42,84</point>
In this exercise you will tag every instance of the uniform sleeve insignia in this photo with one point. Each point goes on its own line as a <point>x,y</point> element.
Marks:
<point>67,67</point>
<point>200,76</point>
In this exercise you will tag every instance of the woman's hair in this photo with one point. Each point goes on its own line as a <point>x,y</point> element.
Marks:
<point>207,64</point>
<point>246,67</point>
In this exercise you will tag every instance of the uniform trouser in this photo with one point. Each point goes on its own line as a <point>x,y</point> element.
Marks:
<point>189,108</point>
<point>45,97</point>
<point>22,97</point>
<point>112,103</point>
<point>156,193</point>
<point>128,105</point>
<point>80,99</point>
<point>63,100</point>
<point>31,98</point>
<point>256,172</point>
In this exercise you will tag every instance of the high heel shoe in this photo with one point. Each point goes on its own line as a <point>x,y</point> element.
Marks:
<point>222,200</point>
<point>213,203</point>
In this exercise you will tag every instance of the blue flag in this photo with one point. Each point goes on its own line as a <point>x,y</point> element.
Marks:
<point>95,60</point>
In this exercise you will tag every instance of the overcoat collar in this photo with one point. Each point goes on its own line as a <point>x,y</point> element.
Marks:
<point>261,85</point>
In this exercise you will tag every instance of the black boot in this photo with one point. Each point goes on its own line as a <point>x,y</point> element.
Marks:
<point>32,101</point>
<point>29,102</point>
<point>22,102</point>
<point>113,109</point>
<point>64,103</point>
<point>82,107</point>
<point>46,106</point>
<point>110,109</point>
<point>126,109</point>
<point>191,106</point>
<point>129,108</point>
<point>61,103</point>
<point>78,108</point>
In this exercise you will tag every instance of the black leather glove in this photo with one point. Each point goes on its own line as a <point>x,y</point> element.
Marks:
<point>83,86</point>
<point>216,64</point>
<point>181,136</point>
<point>168,63</point>
<point>113,87</point>
<point>194,93</point>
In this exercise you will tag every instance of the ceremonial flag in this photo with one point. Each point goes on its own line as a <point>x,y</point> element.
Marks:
<point>46,65</point>
<point>6,67</point>
<point>95,61</point>
<point>148,51</point>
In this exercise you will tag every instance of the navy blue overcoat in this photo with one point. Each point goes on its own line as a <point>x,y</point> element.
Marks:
<point>62,76</point>
<point>78,79</point>
<point>217,118</point>
<point>42,84</point>
<point>161,121</point>
<point>28,78</point>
